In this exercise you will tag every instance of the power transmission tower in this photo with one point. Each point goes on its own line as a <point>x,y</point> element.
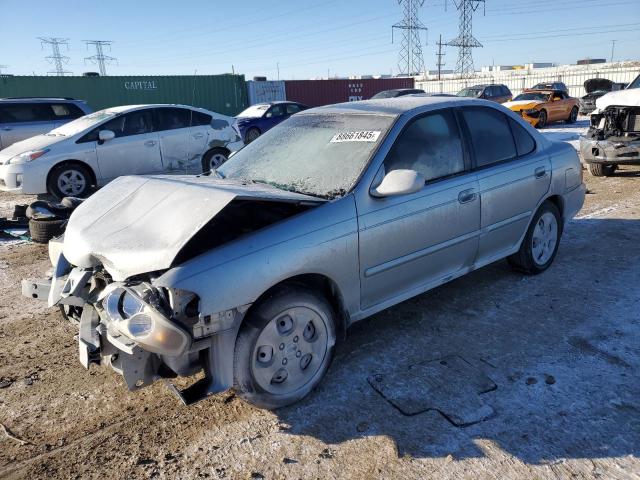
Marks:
<point>440,63</point>
<point>100,58</point>
<point>56,57</point>
<point>465,40</point>
<point>410,59</point>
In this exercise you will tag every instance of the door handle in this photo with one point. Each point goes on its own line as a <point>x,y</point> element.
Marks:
<point>467,196</point>
<point>149,143</point>
<point>198,135</point>
<point>541,172</point>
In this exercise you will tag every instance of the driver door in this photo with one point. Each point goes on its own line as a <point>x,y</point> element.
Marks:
<point>276,114</point>
<point>135,150</point>
<point>412,242</point>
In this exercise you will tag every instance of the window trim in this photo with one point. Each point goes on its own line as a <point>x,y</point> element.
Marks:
<point>465,153</point>
<point>475,167</point>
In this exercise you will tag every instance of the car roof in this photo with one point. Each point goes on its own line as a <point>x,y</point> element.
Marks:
<point>127,108</point>
<point>393,106</point>
<point>543,90</point>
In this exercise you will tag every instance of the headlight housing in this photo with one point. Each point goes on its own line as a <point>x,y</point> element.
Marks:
<point>143,323</point>
<point>532,112</point>
<point>27,156</point>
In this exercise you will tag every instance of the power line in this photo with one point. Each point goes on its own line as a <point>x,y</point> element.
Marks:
<point>465,40</point>
<point>100,58</point>
<point>56,57</point>
<point>440,63</point>
<point>410,59</point>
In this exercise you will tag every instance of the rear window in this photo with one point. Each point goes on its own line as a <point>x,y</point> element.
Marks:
<point>490,135</point>
<point>66,111</point>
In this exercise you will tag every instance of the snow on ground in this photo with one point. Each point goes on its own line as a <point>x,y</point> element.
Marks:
<point>569,133</point>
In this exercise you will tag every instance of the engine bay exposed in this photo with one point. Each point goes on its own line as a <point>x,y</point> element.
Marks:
<point>616,123</point>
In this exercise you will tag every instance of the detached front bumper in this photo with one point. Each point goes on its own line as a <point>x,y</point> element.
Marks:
<point>610,153</point>
<point>105,333</point>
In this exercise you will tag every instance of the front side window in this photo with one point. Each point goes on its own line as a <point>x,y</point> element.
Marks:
<point>292,108</point>
<point>275,111</point>
<point>430,145</point>
<point>490,135</point>
<point>317,154</point>
<point>134,123</point>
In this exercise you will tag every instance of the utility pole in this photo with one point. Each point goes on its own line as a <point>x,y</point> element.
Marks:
<point>440,63</point>
<point>410,59</point>
<point>56,57</point>
<point>613,46</point>
<point>100,58</point>
<point>278,68</point>
<point>465,40</point>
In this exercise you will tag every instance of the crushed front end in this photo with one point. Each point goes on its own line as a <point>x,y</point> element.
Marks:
<point>613,137</point>
<point>144,332</point>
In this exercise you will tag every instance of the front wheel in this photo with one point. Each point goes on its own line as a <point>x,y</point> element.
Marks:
<point>69,180</point>
<point>600,170</point>
<point>540,244</point>
<point>542,119</point>
<point>252,134</point>
<point>573,115</point>
<point>284,348</point>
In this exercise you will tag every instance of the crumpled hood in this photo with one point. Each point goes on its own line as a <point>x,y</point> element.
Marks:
<point>626,98</point>
<point>34,143</point>
<point>139,224</point>
<point>522,104</point>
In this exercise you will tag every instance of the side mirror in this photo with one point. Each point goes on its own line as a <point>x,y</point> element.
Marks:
<point>399,182</point>
<point>105,135</point>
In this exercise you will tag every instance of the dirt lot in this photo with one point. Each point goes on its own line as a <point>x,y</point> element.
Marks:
<point>562,348</point>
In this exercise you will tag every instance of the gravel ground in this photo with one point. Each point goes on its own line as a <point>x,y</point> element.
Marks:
<point>562,349</point>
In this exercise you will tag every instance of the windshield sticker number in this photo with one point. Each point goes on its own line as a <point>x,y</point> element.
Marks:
<point>363,136</point>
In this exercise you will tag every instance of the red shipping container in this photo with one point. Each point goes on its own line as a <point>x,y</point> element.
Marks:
<point>315,93</point>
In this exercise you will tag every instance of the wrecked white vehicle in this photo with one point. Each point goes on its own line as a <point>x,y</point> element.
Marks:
<point>128,140</point>
<point>249,275</point>
<point>614,135</point>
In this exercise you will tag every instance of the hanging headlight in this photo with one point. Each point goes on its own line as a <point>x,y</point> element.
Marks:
<point>143,323</point>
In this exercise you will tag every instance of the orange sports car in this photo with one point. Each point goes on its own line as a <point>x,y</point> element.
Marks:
<point>539,107</point>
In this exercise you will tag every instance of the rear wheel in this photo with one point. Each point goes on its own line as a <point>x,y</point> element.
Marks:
<point>284,348</point>
<point>540,244</point>
<point>573,116</point>
<point>600,170</point>
<point>69,180</point>
<point>213,159</point>
<point>542,119</point>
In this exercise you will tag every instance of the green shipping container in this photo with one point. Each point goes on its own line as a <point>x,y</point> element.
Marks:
<point>226,94</point>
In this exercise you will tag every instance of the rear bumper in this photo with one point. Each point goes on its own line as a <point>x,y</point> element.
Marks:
<point>573,201</point>
<point>610,153</point>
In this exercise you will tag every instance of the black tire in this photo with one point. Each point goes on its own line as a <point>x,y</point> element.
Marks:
<point>274,309</point>
<point>207,158</point>
<point>80,170</point>
<point>542,119</point>
<point>523,260</point>
<point>600,170</point>
<point>251,135</point>
<point>42,231</point>
<point>71,314</point>
<point>573,115</point>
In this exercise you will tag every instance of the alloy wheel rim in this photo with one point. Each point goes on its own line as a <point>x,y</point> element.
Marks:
<point>217,160</point>
<point>545,238</point>
<point>290,350</point>
<point>71,182</point>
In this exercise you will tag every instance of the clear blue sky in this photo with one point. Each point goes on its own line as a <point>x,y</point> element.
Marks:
<point>306,38</point>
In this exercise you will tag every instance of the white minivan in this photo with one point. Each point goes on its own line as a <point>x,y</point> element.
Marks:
<point>127,140</point>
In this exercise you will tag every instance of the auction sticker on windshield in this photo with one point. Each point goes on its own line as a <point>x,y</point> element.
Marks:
<point>362,136</point>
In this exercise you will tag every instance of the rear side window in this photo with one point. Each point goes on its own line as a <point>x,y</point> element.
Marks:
<point>430,145</point>
<point>524,142</point>
<point>25,112</point>
<point>490,135</point>
<point>200,118</point>
<point>173,118</point>
<point>66,111</point>
<point>292,108</point>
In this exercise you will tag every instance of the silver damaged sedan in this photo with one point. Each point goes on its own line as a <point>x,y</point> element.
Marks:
<point>249,275</point>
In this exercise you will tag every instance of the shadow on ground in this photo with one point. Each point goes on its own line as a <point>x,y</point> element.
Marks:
<point>563,349</point>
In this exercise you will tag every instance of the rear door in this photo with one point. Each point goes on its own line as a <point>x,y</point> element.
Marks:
<point>19,121</point>
<point>134,151</point>
<point>173,126</point>
<point>513,175</point>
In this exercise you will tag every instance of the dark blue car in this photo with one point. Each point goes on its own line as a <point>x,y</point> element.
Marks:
<point>259,118</point>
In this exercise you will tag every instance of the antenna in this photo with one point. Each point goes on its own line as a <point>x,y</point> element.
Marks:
<point>100,58</point>
<point>56,57</point>
<point>410,59</point>
<point>440,63</point>
<point>465,40</point>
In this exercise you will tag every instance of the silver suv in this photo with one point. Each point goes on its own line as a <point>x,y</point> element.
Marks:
<point>25,117</point>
